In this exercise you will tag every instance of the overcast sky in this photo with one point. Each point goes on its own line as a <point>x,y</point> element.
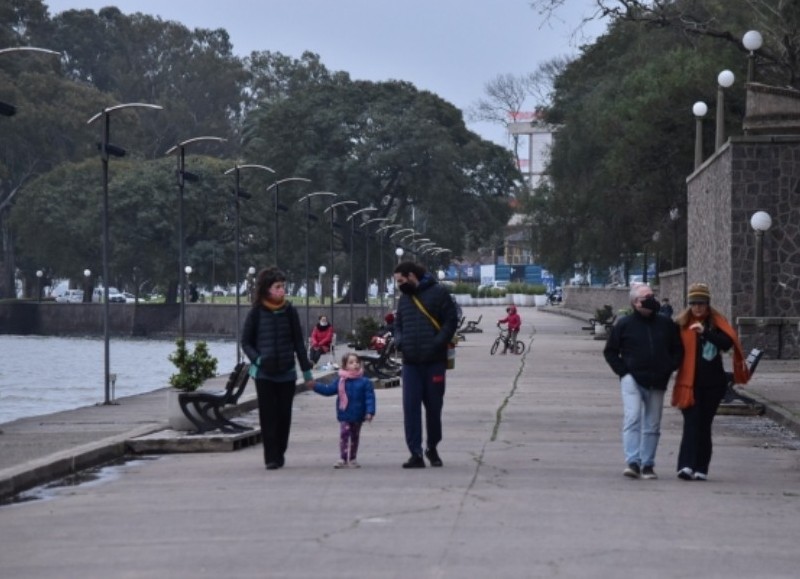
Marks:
<point>449,47</point>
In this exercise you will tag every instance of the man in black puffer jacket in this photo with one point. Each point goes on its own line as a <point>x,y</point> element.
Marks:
<point>425,323</point>
<point>643,349</point>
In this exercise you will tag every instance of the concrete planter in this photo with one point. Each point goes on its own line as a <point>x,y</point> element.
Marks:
<point>175,416</point>
<point>540,300</point>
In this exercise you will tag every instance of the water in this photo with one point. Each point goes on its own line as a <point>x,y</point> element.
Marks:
<point>41,375</point>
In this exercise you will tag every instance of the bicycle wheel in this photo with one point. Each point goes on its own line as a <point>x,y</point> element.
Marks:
<point>519,347</point>
<point>496,345</point>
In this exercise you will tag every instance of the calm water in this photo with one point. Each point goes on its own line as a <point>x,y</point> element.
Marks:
<point>40,375</point>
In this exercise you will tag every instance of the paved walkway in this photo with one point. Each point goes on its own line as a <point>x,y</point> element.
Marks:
<point>531,487</point>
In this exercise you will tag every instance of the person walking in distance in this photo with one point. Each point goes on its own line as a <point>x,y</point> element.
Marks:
<point>355,403</point>
<point>272,338</point>
<point>643,349</point>
<point>701,381</point>
<point>424,324</point>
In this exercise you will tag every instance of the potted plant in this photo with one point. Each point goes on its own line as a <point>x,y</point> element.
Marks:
<point>517,292</point>
<point>194,368</point>
<point>602,318</point>
<point>539,293</point>
<point>461,291</point>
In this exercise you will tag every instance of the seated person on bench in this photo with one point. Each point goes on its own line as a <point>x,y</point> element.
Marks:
<point>321,339</point>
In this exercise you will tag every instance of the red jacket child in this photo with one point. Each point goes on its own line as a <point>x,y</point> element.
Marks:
<point>512,319</point>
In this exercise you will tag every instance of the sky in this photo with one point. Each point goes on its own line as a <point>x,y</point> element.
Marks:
<point>449,47</point>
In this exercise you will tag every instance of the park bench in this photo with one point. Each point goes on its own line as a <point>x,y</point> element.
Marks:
<point>732,395</point>
<point>381,364</point>
<point>472,326</point>
<point>205,408</point>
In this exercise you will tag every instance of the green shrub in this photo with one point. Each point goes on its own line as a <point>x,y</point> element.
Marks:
<point>366,327</point>
<point>535,289</point>
<point>193,368</point>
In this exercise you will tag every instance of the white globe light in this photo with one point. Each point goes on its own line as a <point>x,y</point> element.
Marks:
<point>761,221</point>
<point>441,274</point>
<point>399,252</point>
<point>188,269</point>
<point>39,273</point>
<point>725,78</point>
<point>87,272</point>
<point>752,40</point>
<point>322,269</point>
<point>700,109</point>
<point>251,270</point>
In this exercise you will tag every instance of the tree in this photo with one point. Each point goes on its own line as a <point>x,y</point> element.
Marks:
<point>405,152</point>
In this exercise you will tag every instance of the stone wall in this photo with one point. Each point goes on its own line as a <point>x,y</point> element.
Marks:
<point>749,174</point>
<point>209,321</point>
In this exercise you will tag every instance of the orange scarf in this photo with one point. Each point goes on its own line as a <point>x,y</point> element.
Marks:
<point>683,391</point>
<point>273,306</point>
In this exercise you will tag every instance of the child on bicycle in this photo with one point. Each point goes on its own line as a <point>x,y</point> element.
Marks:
<point>514,324</point>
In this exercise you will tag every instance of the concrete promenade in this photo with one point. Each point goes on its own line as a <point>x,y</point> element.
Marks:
<point>532,485</point>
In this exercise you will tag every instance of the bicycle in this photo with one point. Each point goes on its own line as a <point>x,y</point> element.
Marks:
<point>502,339</point>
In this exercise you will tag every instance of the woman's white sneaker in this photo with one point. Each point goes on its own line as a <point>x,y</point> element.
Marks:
<point>685,473</point>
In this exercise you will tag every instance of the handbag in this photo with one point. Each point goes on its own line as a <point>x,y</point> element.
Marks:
<point>451,347</point>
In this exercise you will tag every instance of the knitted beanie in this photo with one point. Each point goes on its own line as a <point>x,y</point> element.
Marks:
<point>699,292</point>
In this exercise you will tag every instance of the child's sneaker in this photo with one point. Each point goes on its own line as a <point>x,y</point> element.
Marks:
<point>341,464</point>
<point>354,464</point>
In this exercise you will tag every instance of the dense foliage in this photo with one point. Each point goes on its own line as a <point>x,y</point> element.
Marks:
<point>404,151</point>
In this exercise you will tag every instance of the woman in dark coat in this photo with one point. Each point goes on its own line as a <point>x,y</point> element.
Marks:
<point>272,338</point>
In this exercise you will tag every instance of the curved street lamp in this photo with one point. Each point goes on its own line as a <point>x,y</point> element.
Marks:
<point>366,255</point>
<point>238,194</point>
<point>8,110</point>
<point>106,150</point>
<point>276,185</point>
<point>332,209</point>
<point>351,219</point>
<point>309,218</point>
<point>183,175</point>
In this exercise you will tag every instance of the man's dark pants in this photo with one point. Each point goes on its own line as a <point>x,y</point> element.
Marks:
<point>423,385</point>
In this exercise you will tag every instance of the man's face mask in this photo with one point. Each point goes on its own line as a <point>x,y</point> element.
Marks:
<point>650,303</point>
<point>406,287</point>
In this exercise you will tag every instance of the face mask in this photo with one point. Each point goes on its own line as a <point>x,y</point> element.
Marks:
<point>651,304</point>
<point>406,287</point>
<point>323,324</point>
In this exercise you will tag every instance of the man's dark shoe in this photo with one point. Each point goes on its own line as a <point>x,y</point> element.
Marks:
<point>632,470</point>
<point>414,462</point>
<point>273,465</point>
<point>433,457</point>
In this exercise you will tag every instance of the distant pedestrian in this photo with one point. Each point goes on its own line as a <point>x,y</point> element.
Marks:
<point>424,325</point>
<point>321,339</point>
<point>643,349</point>
<point>666,308</point>
<point>355,403</point>
<point>272,338</point>
<point>514,322</point>
<point>701,381</point>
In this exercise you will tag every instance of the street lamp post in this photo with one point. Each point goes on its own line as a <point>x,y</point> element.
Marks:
<point>87,286</point>
<point>351,219</point>
<point>724,80</point>
<point>106,150</point>
<point>183,175</point>
<point>309,218</point>
<point>251,283</point>
<point>382,289</point>
<point>322,271</point>
<point>674,215</point>
<point>699,109</point>
<point>276,185</point>
<point>332,209</point>
<point>399,253</point>
<point>760,222</point>
<point>238,194</point>
<point>39,274</point>
<point>366,253</point>
<point>9,110</point>
<point>752,41</point>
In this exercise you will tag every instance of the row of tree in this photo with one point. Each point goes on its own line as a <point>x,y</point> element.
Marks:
<point>623,108</point>
<point>387,145</point>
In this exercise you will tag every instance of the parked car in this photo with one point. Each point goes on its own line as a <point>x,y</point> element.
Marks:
<point>72,296</point>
